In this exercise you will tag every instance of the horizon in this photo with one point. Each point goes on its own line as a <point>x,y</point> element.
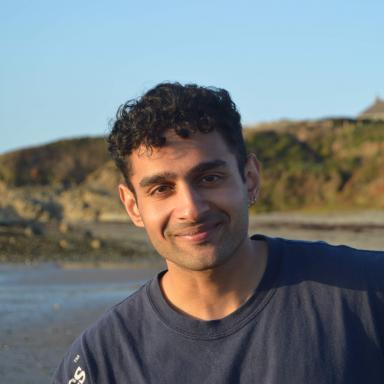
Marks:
<point>69,66</point>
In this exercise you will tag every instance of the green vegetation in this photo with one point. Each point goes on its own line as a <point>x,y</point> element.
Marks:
<point>324,164</point>
<point>65,163</point>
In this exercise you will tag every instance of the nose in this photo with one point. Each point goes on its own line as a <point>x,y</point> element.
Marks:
<point>191,205</point>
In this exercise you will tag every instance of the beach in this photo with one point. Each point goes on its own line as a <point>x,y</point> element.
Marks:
<point>45,305</point>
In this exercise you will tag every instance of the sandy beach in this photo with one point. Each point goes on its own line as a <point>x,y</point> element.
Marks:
<point>360,229</point>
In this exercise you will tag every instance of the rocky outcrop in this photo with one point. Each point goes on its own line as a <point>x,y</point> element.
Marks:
<point>95,199</point>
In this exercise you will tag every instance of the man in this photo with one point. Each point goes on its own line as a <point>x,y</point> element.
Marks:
<point>229,308</point>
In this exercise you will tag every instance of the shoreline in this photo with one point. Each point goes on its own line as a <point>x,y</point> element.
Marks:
<point>119,244</point>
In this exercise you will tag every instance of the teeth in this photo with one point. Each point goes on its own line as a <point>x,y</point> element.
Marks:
<point>191,234</point>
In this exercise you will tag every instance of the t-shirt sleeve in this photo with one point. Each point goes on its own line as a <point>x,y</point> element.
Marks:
<point>73,369</point>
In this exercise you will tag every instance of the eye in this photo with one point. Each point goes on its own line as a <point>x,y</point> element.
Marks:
<point>161,190</point>
<point>210,179</point>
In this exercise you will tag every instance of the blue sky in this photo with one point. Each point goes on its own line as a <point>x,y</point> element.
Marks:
<point>67,65</point>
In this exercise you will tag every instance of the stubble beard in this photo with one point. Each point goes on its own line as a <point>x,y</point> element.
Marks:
<point>207,255</point>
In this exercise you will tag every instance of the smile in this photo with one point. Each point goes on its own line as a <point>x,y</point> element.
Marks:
<point>198,234</point>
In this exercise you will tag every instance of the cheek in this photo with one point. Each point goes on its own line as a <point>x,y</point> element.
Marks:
<point>155,218</point>
<point>233,196</point>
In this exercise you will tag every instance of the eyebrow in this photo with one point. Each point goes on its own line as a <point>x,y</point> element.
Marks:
<point>166,176</point>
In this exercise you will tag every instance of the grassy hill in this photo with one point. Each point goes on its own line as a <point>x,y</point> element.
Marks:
<point>332,164</point>
<point>64,163</point>
<point>324,164</point>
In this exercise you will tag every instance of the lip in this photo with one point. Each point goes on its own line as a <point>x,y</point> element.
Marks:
<point>198,234</point>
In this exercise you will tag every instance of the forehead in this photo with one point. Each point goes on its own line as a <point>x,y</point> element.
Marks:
<point>180,153</point>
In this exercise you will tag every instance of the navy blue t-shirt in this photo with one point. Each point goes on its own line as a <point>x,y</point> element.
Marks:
<point>317,316</point>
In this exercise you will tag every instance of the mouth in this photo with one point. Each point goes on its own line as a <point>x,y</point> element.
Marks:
<point>198,234</point>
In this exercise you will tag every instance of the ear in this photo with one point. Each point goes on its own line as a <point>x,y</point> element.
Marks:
<point>128,199</point>
<point>252,177</point>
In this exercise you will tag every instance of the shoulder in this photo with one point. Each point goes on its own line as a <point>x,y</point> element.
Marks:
<point>332,264</point>
<point>320,252</point>
<point>81,362</point>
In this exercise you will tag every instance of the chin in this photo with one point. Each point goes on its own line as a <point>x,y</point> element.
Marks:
<point>201,262</point>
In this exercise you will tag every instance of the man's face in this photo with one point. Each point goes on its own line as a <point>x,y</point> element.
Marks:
<point>191,199</point>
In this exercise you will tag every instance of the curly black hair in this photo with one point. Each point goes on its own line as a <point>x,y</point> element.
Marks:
<point>183,108</point>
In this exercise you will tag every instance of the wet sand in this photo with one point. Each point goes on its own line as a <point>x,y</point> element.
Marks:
<point>364,230</point>
<point>45,307</point>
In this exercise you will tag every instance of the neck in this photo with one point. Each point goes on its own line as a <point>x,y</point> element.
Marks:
<point>217,292</point>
